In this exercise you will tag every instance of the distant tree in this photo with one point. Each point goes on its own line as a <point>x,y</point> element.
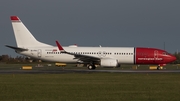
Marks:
<point>177,55</point>
<point>0,58</point>
<point>5,58</point>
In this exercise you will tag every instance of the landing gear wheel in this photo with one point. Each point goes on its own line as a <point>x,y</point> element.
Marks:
<point>94,67</point>
<point>90,67</point>
<point>158,67</point>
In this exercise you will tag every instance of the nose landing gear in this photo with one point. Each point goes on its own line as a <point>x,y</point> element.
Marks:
<point>158,67</point>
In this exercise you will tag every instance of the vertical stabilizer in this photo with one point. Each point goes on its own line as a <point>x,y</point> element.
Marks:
<point>23,36</point>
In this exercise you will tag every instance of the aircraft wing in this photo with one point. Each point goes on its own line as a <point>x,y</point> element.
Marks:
<point>81,57</point>
<point>16,48</point>
<point>86,58</point>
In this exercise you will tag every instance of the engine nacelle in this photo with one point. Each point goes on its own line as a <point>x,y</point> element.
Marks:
<point>109,63</point>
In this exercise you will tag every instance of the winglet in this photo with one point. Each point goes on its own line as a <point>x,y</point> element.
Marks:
<point>15,19</point>
<point>60,47</point>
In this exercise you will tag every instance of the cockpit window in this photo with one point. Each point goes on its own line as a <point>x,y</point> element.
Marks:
<point>165,53</point>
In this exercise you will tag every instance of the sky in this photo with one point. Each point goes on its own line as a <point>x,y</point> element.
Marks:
<point>109,23</point>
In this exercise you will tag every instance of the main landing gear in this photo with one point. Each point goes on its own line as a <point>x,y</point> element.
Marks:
<point>91,66</point>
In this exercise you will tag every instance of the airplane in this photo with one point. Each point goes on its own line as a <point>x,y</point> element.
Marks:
<point>91,56</point>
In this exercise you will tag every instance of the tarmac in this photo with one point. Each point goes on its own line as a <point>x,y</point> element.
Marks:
<point>84,71</point>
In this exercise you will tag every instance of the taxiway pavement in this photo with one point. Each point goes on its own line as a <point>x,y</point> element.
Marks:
<point>84,71</point>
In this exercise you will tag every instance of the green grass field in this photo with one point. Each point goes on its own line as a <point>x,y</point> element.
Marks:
<point>90,87</point>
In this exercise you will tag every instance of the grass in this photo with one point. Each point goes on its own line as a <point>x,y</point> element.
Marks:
<point>90,87</point>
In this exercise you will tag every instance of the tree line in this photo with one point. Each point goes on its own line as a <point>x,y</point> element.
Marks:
<point>17,59</point>
<point>177,55</point>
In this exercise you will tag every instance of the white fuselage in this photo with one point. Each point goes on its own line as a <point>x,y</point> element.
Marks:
<point>124,55</point>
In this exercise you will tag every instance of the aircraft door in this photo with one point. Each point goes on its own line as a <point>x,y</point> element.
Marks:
<point>155,56</point>
<point>39,53</point>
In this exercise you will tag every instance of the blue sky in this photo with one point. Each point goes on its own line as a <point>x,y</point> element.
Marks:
<point>131,23</point>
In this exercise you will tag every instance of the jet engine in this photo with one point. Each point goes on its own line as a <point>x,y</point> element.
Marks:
<point>109,63</point>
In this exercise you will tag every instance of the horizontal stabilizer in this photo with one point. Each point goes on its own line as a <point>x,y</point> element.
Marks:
<point>16,48</point>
